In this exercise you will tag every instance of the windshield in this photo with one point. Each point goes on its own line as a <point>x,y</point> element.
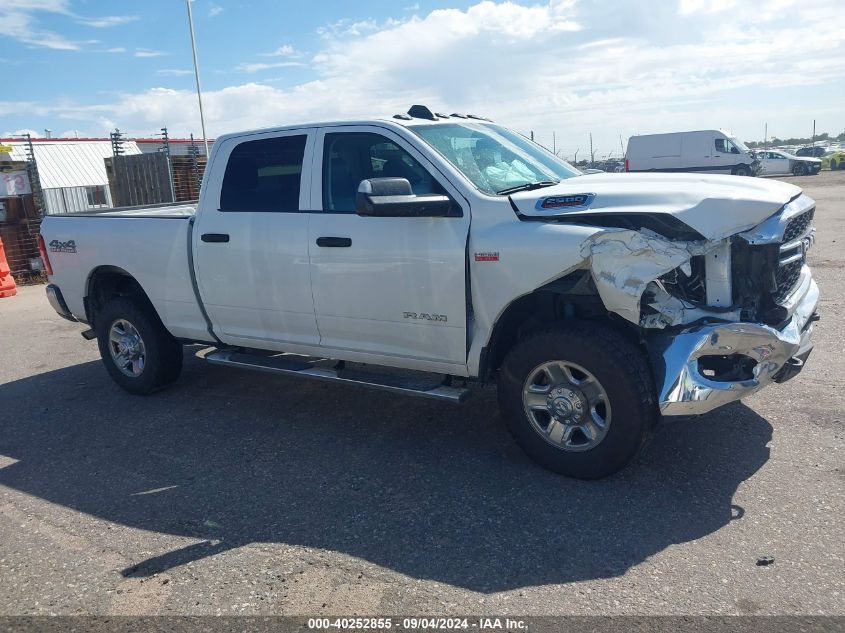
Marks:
<point>742,146</point>
<point>493,157</point>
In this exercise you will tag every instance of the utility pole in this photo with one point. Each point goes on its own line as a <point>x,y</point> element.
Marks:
<point>197,73</point>
<point>621,146</point>
<point>766,135</point>
<point>554,143</point>
<point>532,135</point>
<point>32,172</point>
<point>592,154</point>
<point>165,148</point>
<point>814,132</point>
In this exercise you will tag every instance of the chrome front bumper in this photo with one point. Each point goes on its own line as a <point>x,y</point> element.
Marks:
<point>779,354</point>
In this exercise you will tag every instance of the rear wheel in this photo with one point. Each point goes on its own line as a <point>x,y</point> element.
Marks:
<point>138,352</point>
<point>799,170</point>
<point>833,165</point>
<point>578,399</point>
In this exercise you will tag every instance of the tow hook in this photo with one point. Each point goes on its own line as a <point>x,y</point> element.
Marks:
<point>791,368</point>
<point>89,335</point>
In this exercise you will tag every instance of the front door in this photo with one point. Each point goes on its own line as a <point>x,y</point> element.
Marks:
<point>251,242</point>
<point>777,163</point>
<point>390,287</point>
<point>726,155</point>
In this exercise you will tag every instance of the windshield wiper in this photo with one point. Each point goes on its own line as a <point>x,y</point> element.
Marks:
<point>529,186</point>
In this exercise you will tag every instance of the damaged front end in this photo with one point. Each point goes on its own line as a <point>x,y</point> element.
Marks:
<point>721,318</point>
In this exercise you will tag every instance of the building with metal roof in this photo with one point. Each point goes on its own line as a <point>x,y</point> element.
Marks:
<point>71,172</point>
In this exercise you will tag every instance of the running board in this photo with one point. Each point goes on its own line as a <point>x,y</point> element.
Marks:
<point>420,385</point>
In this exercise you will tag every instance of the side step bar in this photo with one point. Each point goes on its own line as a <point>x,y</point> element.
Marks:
<point>321,369</point>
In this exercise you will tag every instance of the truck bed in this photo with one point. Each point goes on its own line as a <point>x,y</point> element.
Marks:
<point>156,254</point>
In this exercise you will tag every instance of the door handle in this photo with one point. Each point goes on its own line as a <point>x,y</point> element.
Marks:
<point>334,242</point>
<point>215,237</point>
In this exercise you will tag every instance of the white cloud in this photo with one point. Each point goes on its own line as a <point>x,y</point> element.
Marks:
<point>609,68</point>
<point>174,72</point>
<point>257,67</point>
<point>107,20</point>
<point>19,21</point>
<point>215,10</point>
<point>145,52</point>
<point>286,50</point>
<point>689,7</point>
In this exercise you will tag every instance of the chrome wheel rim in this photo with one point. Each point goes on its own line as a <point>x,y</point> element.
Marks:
<point>566,405</point>
<point>127,348</point>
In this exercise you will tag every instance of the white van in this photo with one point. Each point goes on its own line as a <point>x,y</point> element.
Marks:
<point>710,151</point>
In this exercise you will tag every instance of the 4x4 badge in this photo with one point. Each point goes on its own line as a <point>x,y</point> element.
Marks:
<point>62,247</point>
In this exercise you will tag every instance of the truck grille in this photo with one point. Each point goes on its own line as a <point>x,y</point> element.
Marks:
<point>792,255</point>
<point>786,278</point>
<point>798,226</point>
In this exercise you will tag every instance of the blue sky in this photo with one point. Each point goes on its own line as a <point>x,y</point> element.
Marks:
<point>569,66</point>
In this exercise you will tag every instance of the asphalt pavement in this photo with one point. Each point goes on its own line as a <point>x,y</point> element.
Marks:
<point>244,493</point>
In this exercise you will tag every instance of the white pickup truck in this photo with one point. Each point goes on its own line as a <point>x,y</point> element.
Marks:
<point>424,252</point>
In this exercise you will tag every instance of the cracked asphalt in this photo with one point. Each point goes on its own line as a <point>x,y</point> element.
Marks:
<point>244,493</point>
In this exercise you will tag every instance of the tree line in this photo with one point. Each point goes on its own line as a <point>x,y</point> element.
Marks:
<point>824,136</point>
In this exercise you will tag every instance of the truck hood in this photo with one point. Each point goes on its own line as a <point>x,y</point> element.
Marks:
<point>715,206</point>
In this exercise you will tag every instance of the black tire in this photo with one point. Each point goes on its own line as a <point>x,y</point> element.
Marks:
<point>833,165</point>
<point>624,373</point>
<point>741,170</point>
<point>162,353</point>
<point>799,170</point>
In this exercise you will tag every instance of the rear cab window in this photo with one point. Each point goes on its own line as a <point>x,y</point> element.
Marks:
<point>264,175</point>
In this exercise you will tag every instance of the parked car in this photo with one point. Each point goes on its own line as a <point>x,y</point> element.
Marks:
<point>775,162</point>
<point>707,151</point>
<point>453,249</point>
<point>812,152</point>
<point>834,159</point>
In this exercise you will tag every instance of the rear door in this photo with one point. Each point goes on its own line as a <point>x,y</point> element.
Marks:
<point>393,288</point>
<point>251,241</point>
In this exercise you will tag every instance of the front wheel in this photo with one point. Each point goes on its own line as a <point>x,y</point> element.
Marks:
<point>138,352</point>
<point>741,170</point>
<point>578,399</point>
<point>799,170</point>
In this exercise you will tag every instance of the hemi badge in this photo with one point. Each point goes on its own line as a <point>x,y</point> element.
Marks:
<point>487,257</point>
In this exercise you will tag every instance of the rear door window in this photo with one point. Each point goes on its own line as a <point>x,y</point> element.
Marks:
<point>264,175</point>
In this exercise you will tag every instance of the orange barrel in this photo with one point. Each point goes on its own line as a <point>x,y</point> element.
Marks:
<point>7,282</point>
<point>4,264</point>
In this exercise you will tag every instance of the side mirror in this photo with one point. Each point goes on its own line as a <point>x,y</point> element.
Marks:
<point>394,198</point>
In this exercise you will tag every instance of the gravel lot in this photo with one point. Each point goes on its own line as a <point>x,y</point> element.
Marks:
<point>236,492</point>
